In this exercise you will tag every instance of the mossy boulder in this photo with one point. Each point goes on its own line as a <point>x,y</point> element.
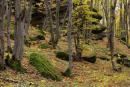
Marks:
<point>62,55</point>
<point>98,29</point>
<point>44,66</point>
<point>123,59</point>
<point>88,53</point>
<point>103,56</point>
<point>38,37</point>
<point>98,36</point>
<point>97,16</point>
<point>44,46</point>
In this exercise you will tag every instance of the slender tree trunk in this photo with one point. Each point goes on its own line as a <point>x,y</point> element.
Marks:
<point>9,49</point>
<point>2,12</point>
<point>57,36</point>
<point>121,17</point>
<point>52,39</point>
<point>28,17</point>
<point>127,13</point>
<point>106,7</point>
<point>70,5</point>
<point>128,32</point>
<point>91,4</point>
<point>126,20</point>
<point>112,22</point>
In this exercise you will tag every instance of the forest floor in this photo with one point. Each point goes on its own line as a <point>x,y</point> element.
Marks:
<point>86,74</point>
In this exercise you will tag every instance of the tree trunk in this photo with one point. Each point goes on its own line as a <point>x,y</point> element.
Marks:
<point>57,36</point>
<point>2,12</point>
<point>48,7</point>
<point>19,31</point>
<point>112,22</point>
<point>9,49</point>
<point>128,31</point>
<point>28,17</point>
<point>106,7</point>
<point>70,5</point>
<point>91,4</point>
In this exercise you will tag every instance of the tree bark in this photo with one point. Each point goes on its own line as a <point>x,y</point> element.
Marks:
<point>28,17</point>
<point>9,49</point>
<point>48,7</point>
<point>19,31</point>
<point>106,7</point>
<point>2,12</point>
<point>57,36</point>
<point>70,5</point>
<point>128,31</point>
<point>112,22</point>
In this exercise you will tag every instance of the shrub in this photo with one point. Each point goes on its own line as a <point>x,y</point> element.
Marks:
<point>44,46</point>
<point>44,66</point>
<point>62,55</point>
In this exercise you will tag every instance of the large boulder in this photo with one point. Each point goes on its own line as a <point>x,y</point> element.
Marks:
<point>123,59</point>
<point>88,53</point>
<point>62,55</point>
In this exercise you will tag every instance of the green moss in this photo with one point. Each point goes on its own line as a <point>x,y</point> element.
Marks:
<point>62,55</point>
<point>2,67</point>
<point>44,66</point>
<point>15,65</point>
<point>44,46</point>
<point>68,73</point>
<point>88,51</point>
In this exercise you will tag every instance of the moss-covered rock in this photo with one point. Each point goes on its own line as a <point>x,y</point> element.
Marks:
<point>103,56</point>
<point>44,46</point>
<point>123,59</point>
<point>89,53</point>
<point>44,66</point>
<point>98,29</point>
<point>62,55</point>
<point>38,37</point>
<point>97,16</point>
<point>98,36</point>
